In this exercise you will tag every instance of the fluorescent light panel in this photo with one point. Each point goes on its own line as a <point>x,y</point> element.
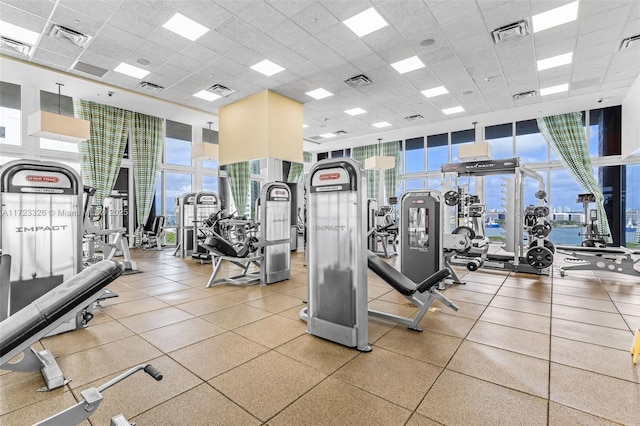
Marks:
<point>207,96</point>
<point>453,110</point>
<point>131,71</point>
<point>328,135</point>
<point>554,17</point>
<point>365,22</point>
<point>436,91</point>
<point>304,126</point>
<point>185,27</point>
<point>319,93</point>
<point>267,68</point>
<point>409,64</point>
<point>555,61</point>
<point>17,33</point>
<point>554,89</point>
<point>381,124</point>
<point>355,111</point>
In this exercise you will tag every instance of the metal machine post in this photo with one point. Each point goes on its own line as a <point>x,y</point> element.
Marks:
<point>275,230</point>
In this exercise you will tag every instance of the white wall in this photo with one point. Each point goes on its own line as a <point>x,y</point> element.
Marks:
<point>631,120</point>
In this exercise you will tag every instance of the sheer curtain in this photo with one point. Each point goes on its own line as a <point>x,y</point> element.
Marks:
<point>239,175</point>
<point>566,137</point>
<point>360,154</point>
<point>391,176</point>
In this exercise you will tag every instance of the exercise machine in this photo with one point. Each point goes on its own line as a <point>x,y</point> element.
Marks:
<point>153,239</point>
<point>206,205</point>
<point>184,224</point>
<point>533,256</point>
<point>591,236</point>
<point>41,228</point>
<point>610,259</point>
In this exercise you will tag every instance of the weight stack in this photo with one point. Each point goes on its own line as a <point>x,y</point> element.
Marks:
<point>509,195</point>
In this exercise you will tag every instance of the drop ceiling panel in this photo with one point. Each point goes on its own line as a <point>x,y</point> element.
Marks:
<point>108,49</point>
<point>98,60</point>
<point>80,22</point>
<point>290,7</point>
<point>261,15</point>
<point>155,11</point>
<point>59,46</point>
<point>154,53</point>
<point>96,9</point>
<point>205,12</point>
<point>34,7</point>
<point>60,61</point>
<point>127,21</point>
<point>22,18</point>
<point>314,18</point>
<point>120,37</point>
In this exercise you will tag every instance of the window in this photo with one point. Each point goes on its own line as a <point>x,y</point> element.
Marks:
<point>458,138</point>
<point>176,184</point>
<point>413,184</point>
<point>178,144</point>
<point>605,127</point>
<point>566,214</point>
<point>323,156</point>
<point>59,145</point>
<point>437,151</point>
<point>632,212</point>
<point>254,194</point>
<point>255,167</point>
<point>500,138</point>
<point>337,154</point>
<point>414,155</point>
<point>531,146</point>
<point>10,123</point>
<point>210,183</point>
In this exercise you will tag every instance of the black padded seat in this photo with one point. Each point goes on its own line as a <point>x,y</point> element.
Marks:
<point>400,282</point>
<point>219,246</point>
<point>66,297</point>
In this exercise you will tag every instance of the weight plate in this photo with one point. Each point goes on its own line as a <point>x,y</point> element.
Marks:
<point>547,244</point>
<point>539,257</point>
<point>541,230</point>
<point>540,194</point>
<point>541,211</point>
<point>461,230</point>
<point>451,198</point>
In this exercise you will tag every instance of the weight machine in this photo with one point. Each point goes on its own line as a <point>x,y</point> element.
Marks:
<point>206,205</point>
<point>534,256</point>
<point>184,224</point>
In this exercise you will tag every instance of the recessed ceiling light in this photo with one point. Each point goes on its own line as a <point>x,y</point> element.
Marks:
<point>319,93</point>
<point>185,27</point>
<point>381,124</point>
<point>454,110</point>
<point>554,89</point>
<point>131,71</point>
<point>267,68</point>
<point>328,135</point>
<point>436,91</point>
<point>554,17</point>
<point>355,111</point>
<point>206,95</point>
<point>409,64</point>
<point>555,61</point>
<point>304,126</point>
<point>365,22</point>
<point>17,33</point>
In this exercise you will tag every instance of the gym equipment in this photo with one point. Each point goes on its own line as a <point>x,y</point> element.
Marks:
<point>421,295</point>
<point>91,399</point>
<point>206,205</point>
<point>184,224</point>
<point>611,259</point>
<point>152,239</point>
<point>336,254</point>
<point>41,227</point>
<point>46,314</point>
<point>532,257</point>
<point>591,236</point>
<point>372,208</point>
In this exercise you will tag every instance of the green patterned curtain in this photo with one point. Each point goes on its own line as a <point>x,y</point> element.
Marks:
<point>566,137</point>
<point>147,143</point>
<point>100,156</point>
<point>307,157</point>
<point>391,176</point>
<point>360,154</point>
<point>239,175</point>
<point>295,172</point>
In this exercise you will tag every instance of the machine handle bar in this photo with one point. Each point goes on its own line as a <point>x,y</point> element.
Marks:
<point>148,368</point>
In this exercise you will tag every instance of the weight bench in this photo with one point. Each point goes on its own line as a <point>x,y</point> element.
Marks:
<point>221,251</point>
<point>61,304</point>
<point>421,295</point>
<point>610,259</point>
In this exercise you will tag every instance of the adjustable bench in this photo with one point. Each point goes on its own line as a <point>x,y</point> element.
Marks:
<point>221,251</point>
<point>22,329</point>
<point>421,295</point>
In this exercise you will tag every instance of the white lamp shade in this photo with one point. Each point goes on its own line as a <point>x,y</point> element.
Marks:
<point>48,125</point>
<point>474,151</point>
<point>204,151</point>
<point>379,163</point>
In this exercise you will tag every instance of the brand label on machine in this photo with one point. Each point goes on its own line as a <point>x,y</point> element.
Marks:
<point>40,228</point>
<point>207,199</point>
<point>329,227</point>
<point>330,179</point>
<point>508,164</point>
<point>278,194</point>
<point>43,179</point>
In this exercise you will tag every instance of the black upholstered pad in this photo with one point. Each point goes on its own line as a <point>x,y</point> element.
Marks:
<point>68,296</point>
<point>219,246</point>
<point>400,282</point>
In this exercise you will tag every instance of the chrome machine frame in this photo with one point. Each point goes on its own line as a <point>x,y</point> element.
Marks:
<point>275,232</point>
<point>184,224</point>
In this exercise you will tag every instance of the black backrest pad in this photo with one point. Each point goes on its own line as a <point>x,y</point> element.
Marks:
<point>68,296</point>
<point>388,273</point>
<point>220,245</point>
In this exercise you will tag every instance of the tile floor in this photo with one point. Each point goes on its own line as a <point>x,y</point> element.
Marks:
<point>522,349</point>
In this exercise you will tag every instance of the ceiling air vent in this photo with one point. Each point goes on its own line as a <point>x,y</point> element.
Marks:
<point>511,31</point>
<point>220,90</point>
<point>416,117</point>
<point>150,86</point>
<point>630,42</point>
<point>522,95</point>
<point>316,138</point>
<point>69,35</point>
<point>89,69</point>
<point>358,81</point>
<point>18,46</point>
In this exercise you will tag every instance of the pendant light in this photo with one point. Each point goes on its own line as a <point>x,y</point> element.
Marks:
<point>379,162</point>
<point>205,150</point>
<point>477,151</point>
<point>60,127</point>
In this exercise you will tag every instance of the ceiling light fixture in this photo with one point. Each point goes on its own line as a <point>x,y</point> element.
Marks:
<point>436,91</point>
<point>555,61</point>
<point>267,68</point>
<point>554,17</point>
<point>17,33</point>
<point>60,127</point>
<point>206,95</point>
<point>409,64</point>
<point>355,111</point>
<point>304,126</point>
<point>379,162</point>
<point>131,71</point>
<point>185,27</point>
<point>554,89</point>
<point>365,22</point>
<point>319,93</point>
<point>381,124</point>
<point>205,150</point>
<point>328,135</point>
<point>453,110</point>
